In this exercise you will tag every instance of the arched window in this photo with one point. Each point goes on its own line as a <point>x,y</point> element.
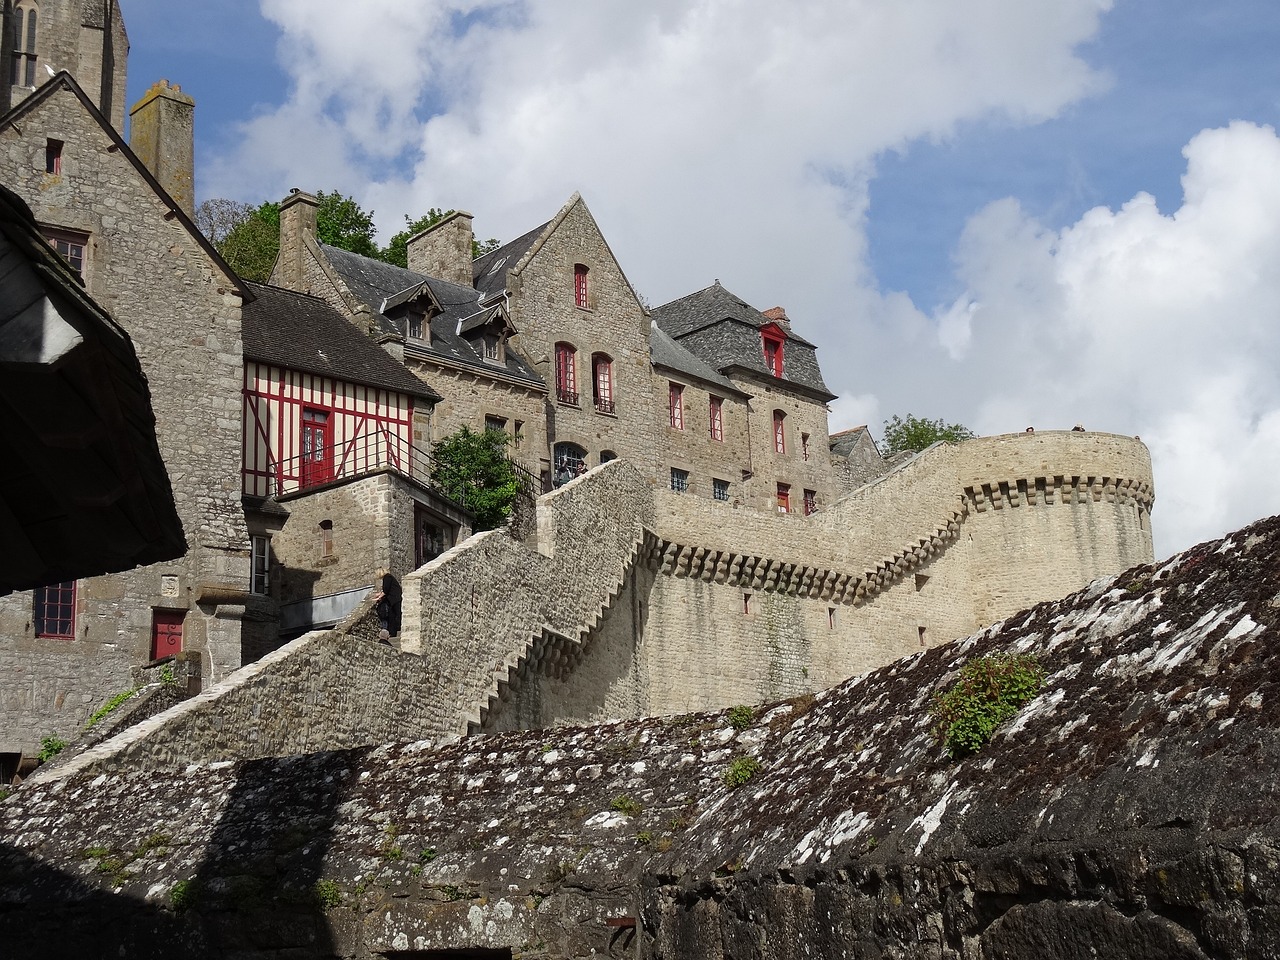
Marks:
<point>607,456</point>
<point>571,461</point>
<point>326,539</point>
<point>566,374</point>
<point>779,431</point>
<point>602,382</point>
<point>23,71</point>
<point>580,285</point>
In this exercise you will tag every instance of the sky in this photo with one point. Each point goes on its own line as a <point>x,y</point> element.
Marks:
<point>1002,213</point>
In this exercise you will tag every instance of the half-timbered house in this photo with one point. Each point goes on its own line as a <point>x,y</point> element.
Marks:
<point>336,468</point>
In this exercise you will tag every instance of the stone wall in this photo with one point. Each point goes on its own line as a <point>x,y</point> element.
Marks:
<point>692,448</point>
<point>468,398</point>
<point>140,261</point>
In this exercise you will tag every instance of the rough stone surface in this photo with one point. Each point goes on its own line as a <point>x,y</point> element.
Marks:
<point>1127,811</point>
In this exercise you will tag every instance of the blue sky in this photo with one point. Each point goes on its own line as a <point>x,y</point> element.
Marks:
<point>948,196</point>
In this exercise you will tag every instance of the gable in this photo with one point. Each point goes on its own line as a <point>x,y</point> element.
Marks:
<point>103,188</point>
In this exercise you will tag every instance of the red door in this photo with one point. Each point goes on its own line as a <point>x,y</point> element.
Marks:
<point>166,633</point>
<point>317,448</point>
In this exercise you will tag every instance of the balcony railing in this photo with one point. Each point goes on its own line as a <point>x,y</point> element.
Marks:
<point>369,455</point>
<point>604,406</point>
<point>567,396</point>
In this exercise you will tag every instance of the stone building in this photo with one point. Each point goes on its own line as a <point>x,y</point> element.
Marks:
<point>139,255</point>
<point>789,458</point>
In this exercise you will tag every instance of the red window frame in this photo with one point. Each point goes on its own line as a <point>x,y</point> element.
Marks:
<point>580,285</point>
<point>779,432</point>
<point>166,633</point>
<point>602,380</point>
<point>675,405</point>
<point>717,418</point>
<point>773,359</point>
<point>784,498</point>
<point>53,157</point>
<point>567,374</point>
<point>55,611</point>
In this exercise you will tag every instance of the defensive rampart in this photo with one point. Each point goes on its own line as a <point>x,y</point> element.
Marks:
<point>628,603</point>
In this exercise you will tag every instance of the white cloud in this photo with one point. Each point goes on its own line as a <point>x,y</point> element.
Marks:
<point>736,139</point>
<point>1138,323</point>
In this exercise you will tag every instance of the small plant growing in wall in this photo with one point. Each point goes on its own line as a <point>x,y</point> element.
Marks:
<point>988,692</point>
<point>741,769</point>
<point>626,805</point>
<point>111,704</point>
<point>327,893</point>
<point>184,894</point>
<point>741,717</point>
<point>50,747</point>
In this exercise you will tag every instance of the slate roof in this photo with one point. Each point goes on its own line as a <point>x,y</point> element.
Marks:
<point>376,283</point>
<point>723,330</point>
<point>305,333</point>
<point>665,352</point>
<point>490,271</point>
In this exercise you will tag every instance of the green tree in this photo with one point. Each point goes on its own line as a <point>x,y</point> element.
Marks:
<point>473,469</point>
<point>249,237</point>
<point>397,251</point>
<point>916,433</point>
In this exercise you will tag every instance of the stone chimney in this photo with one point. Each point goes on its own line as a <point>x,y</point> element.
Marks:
<point>162,134</point>
<point>444,249</point>
<point>297,222</point>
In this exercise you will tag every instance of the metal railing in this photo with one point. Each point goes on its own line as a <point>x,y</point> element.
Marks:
<point>368,455</point>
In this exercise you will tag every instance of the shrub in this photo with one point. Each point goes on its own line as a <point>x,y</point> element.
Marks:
<point>474,470</point>
<point>988,692</point>
<point>184,894</point>
<point>741,769</point>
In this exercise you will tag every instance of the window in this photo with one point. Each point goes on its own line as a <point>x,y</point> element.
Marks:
<point>571,461</point>
<point>495,423</point>
<point>804,446</point>
<point>607,456</point>
<point>317,457</point>
<point>580,285</point>
<point>260,565</point>
<point>415,325</point>
<point>518,439</point>
<point>679,480</point>
<point>23,70</point>
<point>720,490</point>
<point>779,432</point>
<point>326,539</point>
<point>831,618</point>
<point>55,611</point>
<point>53,156</point>
<point>166,633</point>
<point>746,604</point>
<point>602,380</point>
<point>71,246</point>
<point>566,374</point>
<point>810,502</point>
<point>492,347</point>
<point>772,352</point>
<point>675,402</point>
<point>784,498</point>
<point>717,418</point>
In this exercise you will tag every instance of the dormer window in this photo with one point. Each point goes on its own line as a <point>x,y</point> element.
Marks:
<point>772,338</point>
<point>580,285</point>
